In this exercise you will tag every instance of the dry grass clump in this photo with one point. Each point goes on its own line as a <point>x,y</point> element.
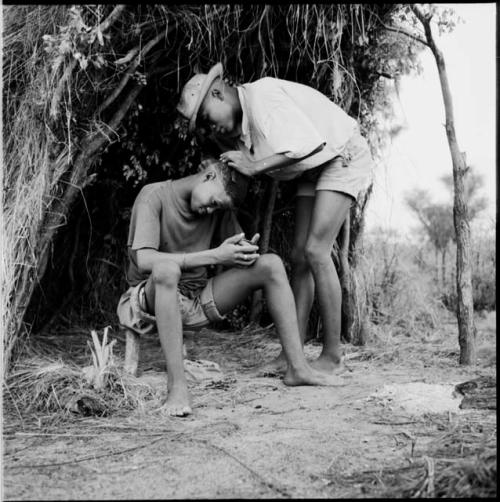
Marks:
<point>401,296</point>
<point>51,384</point>
<point>461,463</point>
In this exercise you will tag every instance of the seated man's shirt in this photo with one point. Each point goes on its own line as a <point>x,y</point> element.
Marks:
<point>163,221</point>
<point>293,119</point>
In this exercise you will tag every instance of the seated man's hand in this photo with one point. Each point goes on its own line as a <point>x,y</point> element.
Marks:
<point>253,241</point>
<point>238,251</point>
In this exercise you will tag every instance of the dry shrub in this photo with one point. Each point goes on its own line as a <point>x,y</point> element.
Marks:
<point>42,381</point>
<point>461,463</point>
<point>400,295</point>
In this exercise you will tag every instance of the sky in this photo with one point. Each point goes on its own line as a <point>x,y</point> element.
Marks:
<point>419,155</point>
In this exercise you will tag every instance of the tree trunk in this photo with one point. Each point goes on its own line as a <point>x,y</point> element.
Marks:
<point>257,299</point>
<point>436,265</point>
<point>443,270</point>
<point>347,314</point>
<point>354,305</point>
<point>465,310</point>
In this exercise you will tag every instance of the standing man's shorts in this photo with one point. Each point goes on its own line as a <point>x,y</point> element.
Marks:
<point>350,172</point>
<point>195,313</point>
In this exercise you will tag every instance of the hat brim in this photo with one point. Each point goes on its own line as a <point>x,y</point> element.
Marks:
<point>215,71</point>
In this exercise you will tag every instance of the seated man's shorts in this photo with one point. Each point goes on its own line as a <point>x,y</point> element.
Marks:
<point>350,172</point>
<point>195,313</point>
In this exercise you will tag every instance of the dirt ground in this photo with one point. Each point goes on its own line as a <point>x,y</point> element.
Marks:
<point>249,437</point>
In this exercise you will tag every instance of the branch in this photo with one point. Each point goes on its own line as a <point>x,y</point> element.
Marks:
<point>425,19</point>
<point>54,105</point>
<point>384,74</point>
<point>131,69</point>
<point>98,138</point>
<point>79,169</point>
<point>128,57</point>
<point>111,19</point>
<point>422,17</point>
<point>405,32</point>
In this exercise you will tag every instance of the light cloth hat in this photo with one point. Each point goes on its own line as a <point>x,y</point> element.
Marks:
<point>194,93</point>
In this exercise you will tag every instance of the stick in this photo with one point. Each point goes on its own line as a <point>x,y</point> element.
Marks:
<point>393,423</point>
<point>48,434</point>
<point>91,457</point>
<point>269,484</point>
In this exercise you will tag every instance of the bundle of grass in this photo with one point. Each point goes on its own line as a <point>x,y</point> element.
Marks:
<point>469,477</point>
<point>461,463</point>
<point>53,386</point>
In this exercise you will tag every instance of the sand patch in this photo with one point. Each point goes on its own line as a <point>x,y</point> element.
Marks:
<point>418,398</point>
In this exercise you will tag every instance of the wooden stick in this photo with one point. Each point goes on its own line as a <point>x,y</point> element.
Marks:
<point>263,481</point>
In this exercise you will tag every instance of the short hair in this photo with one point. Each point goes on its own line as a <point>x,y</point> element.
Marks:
<point>235,184</point>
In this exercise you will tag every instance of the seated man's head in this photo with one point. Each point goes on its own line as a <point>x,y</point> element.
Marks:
<point>220,188</point>
<point>209,103</point>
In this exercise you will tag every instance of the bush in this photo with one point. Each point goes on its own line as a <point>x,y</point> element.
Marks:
<point>400,293</point>
<point>483,292</point>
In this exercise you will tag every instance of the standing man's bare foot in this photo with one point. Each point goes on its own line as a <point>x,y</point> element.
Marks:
<point>330,366</point>
<point>276,367</point>
<point>309,376</point>
<point>178,403</point>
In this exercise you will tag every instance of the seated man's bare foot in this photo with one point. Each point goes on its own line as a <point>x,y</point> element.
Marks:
<point>327,365</point>
<point>178,403</point>
<point>276,367</point>
<point>309,376</point>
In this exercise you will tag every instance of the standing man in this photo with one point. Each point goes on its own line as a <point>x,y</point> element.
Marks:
<point>292,131</point>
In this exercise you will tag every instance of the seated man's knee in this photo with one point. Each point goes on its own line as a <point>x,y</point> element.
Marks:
<point>166,273</point>
<point>317,255</point>
<point>271,265</point>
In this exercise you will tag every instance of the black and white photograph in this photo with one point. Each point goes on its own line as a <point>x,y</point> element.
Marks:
<point>248,251</point>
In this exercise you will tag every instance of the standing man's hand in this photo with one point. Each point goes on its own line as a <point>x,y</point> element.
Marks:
<point>238,161</point>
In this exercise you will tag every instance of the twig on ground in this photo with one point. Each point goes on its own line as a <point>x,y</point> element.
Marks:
<point>263,481</point>
<point>92,457</point>
<point>382,422</point>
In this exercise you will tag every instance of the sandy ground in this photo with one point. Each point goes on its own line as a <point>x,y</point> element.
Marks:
<point>248,437</point>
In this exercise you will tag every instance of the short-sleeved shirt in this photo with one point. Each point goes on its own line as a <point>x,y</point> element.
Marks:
<point>162,220</point>
<point>286,117</point>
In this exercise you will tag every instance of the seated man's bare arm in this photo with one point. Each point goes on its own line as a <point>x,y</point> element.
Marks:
<point>232,252</point>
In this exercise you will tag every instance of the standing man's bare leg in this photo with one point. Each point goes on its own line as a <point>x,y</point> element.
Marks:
<point>330,211</point>
<point>302,280</point>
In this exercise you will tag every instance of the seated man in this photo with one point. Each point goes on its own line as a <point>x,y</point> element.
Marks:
<point>173,226</point>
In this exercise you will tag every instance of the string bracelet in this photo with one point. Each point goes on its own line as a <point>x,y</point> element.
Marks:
<point>183,262</point>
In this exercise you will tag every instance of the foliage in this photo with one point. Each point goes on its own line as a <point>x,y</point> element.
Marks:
<point>400,295</point>
<point>483,271</point>
<point>436,218</point>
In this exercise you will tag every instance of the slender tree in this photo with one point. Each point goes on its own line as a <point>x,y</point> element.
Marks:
<point>425,14</point>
